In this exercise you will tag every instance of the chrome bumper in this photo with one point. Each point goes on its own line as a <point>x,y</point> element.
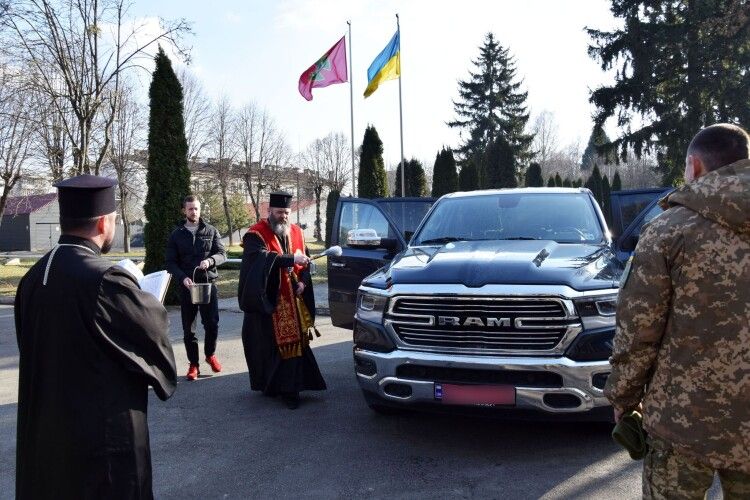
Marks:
<point>576,377</point>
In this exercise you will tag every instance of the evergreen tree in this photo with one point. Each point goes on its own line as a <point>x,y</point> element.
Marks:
<point>331,201</point>
<point>499,166</point>
<point>468,178</point>
<point>558,180</point>
<point>372,179</point>
<point>167,176</point>
<point>416,182</point>
<point>567,183</point>
<point>491,105</point>
<point>616,182</point>
<point>551,182</point>
<point>444,176</point>
<point>594,183</point>
<point>591,154</point>
<point>533,177</point>
<point>606,190</point>
<point>679,66</point>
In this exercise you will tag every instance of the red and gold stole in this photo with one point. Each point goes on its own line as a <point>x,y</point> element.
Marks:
<point>286,327</point>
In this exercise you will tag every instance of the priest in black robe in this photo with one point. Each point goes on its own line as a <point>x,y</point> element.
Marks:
<point>275,335</point>
<point>91,342</point>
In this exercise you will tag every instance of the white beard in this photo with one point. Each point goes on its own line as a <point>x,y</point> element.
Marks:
<point>280,229</point>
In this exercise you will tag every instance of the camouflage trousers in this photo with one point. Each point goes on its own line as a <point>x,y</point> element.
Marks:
<point>669,476</point>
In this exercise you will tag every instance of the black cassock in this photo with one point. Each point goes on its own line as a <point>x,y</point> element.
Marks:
<point>257,293</point>
<point>91,343</point>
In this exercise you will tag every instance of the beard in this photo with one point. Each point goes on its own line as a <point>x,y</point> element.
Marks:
<point>107,246</point>
<point>279,227</point>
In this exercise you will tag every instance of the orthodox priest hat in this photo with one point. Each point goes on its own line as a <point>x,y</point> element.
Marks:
<point>280,199</point>
<point>86,196</point>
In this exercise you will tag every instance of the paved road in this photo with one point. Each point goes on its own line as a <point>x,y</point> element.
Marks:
<point>216,439</point>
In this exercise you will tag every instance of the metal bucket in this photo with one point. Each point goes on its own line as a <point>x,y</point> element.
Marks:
<point>200,293</point>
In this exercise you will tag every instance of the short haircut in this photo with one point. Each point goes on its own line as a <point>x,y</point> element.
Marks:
<point>189,199</point>
<point>78,224</point>
<point>720,145</point>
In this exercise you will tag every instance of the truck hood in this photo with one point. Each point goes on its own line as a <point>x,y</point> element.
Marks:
<point>478,263</point>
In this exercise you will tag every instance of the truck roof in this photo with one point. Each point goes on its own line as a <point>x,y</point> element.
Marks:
<point>538,190</point>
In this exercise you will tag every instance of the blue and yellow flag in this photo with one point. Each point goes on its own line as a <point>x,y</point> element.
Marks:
<point>387,66</point>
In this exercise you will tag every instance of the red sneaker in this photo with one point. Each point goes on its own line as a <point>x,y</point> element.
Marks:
<point>215,365</point>
<point>193,372</point>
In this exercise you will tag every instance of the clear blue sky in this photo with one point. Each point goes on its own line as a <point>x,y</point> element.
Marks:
<point>256,50</point>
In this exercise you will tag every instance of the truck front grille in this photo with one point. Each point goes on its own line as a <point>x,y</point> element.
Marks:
<point>526,325</point>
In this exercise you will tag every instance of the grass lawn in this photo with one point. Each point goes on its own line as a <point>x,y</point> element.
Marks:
<point>229,275</point>
<point>11,275</point>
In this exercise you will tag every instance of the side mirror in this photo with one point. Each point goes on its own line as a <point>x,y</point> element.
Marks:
<point>363,238</point>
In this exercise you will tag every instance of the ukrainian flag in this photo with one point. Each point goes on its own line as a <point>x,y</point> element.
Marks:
<point>387,66</point>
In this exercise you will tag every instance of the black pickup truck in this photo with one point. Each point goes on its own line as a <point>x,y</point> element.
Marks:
<point>500,299</point>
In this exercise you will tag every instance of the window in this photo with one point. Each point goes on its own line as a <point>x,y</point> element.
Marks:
<point>565,218</point>
<point>362,216</point>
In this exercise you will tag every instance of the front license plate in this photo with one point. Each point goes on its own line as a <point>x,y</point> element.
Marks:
<point>457,394</point>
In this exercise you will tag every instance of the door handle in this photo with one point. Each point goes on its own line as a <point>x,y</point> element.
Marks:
<point>338,264</point>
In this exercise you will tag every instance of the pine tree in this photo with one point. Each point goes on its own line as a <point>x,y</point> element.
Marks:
<point>331,201</point>
<point>167,176</point>
<point>558,180</point>
<point>416,183</point>
<point>679,66</point>
<point>605,204</point>
<point>591,154</point>
<point>533,177</point>
<point>551,182</point>
<point>468,178</point>
<point>499,166</point>
<point>594,183</point>
<point>567,183</point>
<point>491,105</point>
<point>616,182</point>
<point>444,176</point>
<point>372,179</point>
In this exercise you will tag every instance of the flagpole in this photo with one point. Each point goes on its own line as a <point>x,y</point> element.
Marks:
<point>351,104</point>
<point>400,110</point>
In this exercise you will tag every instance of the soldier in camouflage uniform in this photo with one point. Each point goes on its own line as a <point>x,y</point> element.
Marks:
<point>682,348</point>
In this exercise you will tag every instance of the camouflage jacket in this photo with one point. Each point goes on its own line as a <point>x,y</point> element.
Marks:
<point>682,346</point>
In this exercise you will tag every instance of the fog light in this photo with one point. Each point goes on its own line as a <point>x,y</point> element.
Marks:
<point>561,400</point>
<point>397,390</point>
<point>365,367</point>
<point>599,380</point>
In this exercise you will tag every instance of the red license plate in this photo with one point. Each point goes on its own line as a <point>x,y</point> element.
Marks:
<point>457,394</point>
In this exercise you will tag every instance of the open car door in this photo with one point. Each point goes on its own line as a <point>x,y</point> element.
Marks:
<point>630,211</point>
<point>369,237</point>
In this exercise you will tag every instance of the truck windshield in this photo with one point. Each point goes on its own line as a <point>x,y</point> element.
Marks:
<point>561,217</point>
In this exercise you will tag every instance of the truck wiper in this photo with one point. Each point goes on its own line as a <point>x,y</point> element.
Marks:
<point>519,238</point>
<point>443,240</point>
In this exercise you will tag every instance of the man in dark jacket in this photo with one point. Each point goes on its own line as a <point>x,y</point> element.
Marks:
<point>90,343</point>
<point>194,250</point>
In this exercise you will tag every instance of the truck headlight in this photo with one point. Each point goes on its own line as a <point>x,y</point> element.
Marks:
<point>597,311</point>
<point>370,307</point>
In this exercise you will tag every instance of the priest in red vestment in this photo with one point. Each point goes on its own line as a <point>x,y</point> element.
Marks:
<point>273,279</point>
